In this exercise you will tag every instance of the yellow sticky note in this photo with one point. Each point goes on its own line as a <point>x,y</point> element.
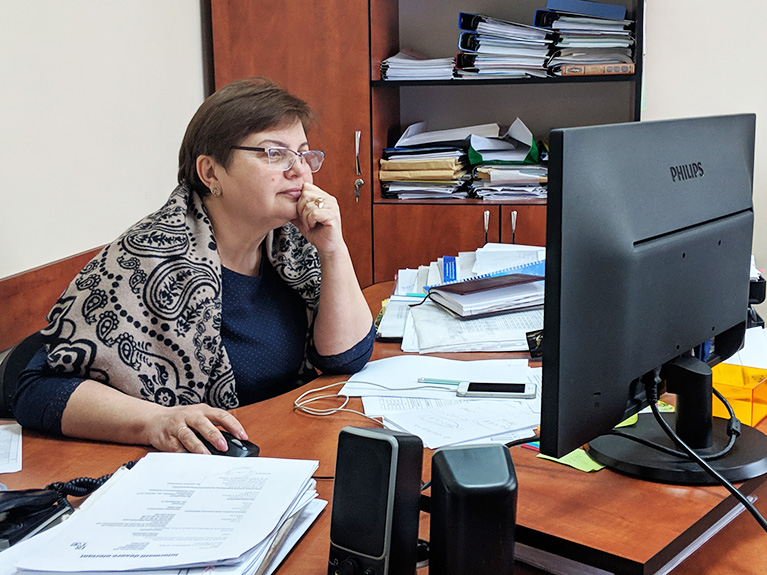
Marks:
<point>577,459</point>
<point>628,421</point>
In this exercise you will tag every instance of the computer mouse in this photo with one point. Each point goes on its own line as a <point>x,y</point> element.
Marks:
<point>235,447</point>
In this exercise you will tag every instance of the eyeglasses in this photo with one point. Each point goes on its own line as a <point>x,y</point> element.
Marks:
<point>284,158</point>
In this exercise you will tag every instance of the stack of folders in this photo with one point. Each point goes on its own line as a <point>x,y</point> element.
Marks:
<point>494,48</point>
<point>181,513</point>
<point>592,38</point>
<point>429,164</point>
<point>407,65</point>
<point>473,161</point>
<point>519,182</point>
<point>509,167</point>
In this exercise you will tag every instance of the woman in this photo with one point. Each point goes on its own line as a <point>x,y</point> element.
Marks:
<point>213,301</point>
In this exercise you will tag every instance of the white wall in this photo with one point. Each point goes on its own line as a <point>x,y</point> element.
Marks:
<point>703,58</point>
<point>95,96</point>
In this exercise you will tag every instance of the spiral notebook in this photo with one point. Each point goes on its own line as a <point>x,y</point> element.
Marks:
<point>536,269</point>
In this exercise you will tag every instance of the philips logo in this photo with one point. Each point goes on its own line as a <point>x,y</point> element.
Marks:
<point>686,172</point>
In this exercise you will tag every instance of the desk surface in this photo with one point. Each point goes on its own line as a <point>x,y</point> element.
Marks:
<point>622,517</point>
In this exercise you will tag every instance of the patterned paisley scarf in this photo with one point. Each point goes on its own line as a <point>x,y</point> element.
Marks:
<point>144,316</point>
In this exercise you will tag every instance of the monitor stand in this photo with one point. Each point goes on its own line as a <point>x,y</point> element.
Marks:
<point>690,379</point>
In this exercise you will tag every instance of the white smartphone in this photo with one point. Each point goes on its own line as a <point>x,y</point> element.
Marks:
<point>501,390</point>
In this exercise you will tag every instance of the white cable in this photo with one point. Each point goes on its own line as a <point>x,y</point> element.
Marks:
<point>302,405</point>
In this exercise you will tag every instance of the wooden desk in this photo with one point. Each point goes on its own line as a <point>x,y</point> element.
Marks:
<point>574,511</point>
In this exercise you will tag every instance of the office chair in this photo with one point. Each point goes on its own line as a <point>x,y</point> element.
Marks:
<point>11,366</point>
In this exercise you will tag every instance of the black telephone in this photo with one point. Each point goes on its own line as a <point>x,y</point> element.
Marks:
<point>26,512</point>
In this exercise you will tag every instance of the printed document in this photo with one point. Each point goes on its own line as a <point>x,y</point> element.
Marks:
<point>465,422</point>
<point>436,330</point>
<point>180,509</point>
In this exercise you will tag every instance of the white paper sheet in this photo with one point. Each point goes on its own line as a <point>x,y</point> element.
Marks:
<point>439,331</point>
<point>464,422</point>
<point>10,448</point>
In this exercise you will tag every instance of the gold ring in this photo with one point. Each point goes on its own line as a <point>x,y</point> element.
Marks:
<point>319,202</point>
<point>180,428</point>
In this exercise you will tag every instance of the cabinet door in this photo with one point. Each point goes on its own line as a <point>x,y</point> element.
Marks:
<point>407,235</point>
<point>530,226</point>
<point>319,52</point>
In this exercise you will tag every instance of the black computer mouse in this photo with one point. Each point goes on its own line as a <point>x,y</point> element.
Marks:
<point>235,447</point>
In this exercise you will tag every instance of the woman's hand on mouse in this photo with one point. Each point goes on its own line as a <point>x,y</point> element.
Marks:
<point>176,427</point>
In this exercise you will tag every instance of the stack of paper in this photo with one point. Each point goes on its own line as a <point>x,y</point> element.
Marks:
<point>507,167</point>
<point>430,164</point>
<point>493,258</point>
<point>503,182</point>
<point>434,164</point>
<point>176,511</point>
<point>431,329</point>
<point>410,66</point>
<point>494,48</point>
<point>422,167</point>
<point>428,328</point>
<point>390,388</point>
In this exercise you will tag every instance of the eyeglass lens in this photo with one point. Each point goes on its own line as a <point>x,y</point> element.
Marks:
<point>283,158</point>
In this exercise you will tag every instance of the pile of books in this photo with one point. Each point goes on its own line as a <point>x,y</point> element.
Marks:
<point>594,42</point>
<point>494,48</point>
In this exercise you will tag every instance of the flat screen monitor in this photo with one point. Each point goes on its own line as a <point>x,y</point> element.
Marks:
<point>649,231</point>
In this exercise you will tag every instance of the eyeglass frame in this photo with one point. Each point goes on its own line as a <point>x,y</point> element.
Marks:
<point>282,148</point>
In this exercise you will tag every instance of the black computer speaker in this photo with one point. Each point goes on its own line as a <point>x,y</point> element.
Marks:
<point>473,511</point>
<point>374,520</point>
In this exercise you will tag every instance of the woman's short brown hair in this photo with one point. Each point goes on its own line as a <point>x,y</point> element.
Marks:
<point>231,114</point>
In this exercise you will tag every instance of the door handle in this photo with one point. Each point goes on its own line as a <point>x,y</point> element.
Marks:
<point>357,136</point>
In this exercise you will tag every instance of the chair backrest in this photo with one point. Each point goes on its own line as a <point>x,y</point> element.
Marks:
<point>28,296</point>
<point>12,365</point>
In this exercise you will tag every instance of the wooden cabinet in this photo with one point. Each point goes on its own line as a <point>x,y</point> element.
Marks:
<point>530,228</point>
<point>408,234</point>
<point>329,53</point>
<point>319,52</point>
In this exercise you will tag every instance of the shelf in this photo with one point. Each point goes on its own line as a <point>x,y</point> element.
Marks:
<point>502,81</point>
<point>463,201</point>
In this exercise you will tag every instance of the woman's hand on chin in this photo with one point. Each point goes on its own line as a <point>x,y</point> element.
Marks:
<point>319,219</point>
